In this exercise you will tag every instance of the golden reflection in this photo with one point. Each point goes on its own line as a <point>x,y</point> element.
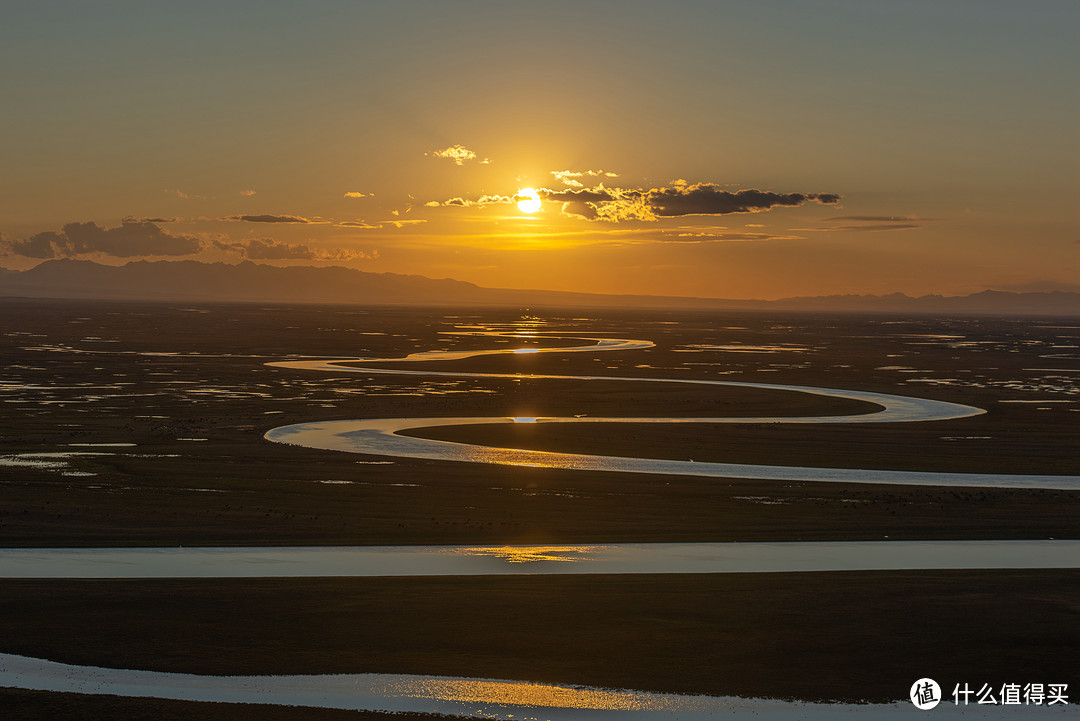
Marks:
<point>539,695</point>
<point>528,554</point>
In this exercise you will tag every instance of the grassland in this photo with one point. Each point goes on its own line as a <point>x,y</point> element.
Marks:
<point>154,375</point>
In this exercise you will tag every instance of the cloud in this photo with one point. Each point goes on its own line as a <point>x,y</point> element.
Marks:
<point>581,210</point>
<point>458,153</point>
<point>599,194</point>
<point>613,205</point>
<point>266,249</point>
<point>570,177</point>
<point>131,219</point>
<point>270,249</point>
<point>132,238</point>
<point>354,224</point>
<point>481,201</point>
<point>401,223</point>
<point>247,193</point>
<point>708,199</point>
<point>269,219</point>
<point>354,194</point>
<point>874,228</point>
<point>617,205</point>
<point>857,228</point>
<point>343,254</point>
<point>876,218</point>
<point>714,237</point>
<point>868,223</point>
<point>1039,285</point>
<point>36,246</point>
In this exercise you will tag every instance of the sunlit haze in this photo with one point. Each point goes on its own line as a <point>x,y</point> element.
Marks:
<point>730,150</point>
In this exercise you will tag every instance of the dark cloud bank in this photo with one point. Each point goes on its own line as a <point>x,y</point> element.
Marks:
<point>140,238</point>
<point>623,204</point>
<point>131,238</point>
<point>268,218</point>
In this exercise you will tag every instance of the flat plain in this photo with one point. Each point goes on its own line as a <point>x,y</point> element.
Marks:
<point>185,389</point>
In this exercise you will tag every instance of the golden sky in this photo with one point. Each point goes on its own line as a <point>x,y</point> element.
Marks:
<point>722,149</point>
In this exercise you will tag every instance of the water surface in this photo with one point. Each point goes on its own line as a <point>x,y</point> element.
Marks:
<point>381,436</point>
<point>477,698</point>
<point>643,558</point>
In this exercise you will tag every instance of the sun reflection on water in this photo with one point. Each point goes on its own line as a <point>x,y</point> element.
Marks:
<point>532,695</point>
<point>528,554</point>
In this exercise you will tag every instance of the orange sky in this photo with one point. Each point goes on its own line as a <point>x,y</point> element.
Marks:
<point>739,149</point>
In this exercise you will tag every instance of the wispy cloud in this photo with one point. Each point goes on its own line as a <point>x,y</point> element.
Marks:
<point>463,203</point>
<point>270,249</point>
<point>354,194</point>
<point>714,237</point>
<point>345,254</point>
<point>1038,285</point>
<point>877,218</point>
<point>570,178</point>
<point>247,193</point>
<point>867,223</point>
<point>269,219</point>
<point>859,228</point>
<point>611,235</point>
<point>131,238</point>
<point>458,153</point>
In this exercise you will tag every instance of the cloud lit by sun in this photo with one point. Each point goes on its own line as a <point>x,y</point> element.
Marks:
<point>621,165</point>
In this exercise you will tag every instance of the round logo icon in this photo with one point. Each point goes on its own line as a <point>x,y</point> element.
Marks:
<point>925,694</point>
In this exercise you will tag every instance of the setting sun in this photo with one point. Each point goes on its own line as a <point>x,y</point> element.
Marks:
<point>528,200</point>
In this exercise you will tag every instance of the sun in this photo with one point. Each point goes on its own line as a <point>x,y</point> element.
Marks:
<point>528,200</point>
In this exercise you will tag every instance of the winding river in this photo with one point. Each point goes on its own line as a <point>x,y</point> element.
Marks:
<point>467,697</point>
<point>382,436</point>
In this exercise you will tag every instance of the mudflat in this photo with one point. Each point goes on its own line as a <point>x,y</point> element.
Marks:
<point>187,389</point>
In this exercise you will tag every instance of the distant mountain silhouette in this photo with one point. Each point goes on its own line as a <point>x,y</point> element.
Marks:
<point>190,280</point>
<point>987,301</point>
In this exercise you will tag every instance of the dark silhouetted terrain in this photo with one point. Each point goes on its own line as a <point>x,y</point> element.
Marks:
<point>195,281</point>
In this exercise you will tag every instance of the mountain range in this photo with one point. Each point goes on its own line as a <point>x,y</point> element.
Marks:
<point>251,282</point>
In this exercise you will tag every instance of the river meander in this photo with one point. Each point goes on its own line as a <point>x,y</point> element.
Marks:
<point>381,436</point>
